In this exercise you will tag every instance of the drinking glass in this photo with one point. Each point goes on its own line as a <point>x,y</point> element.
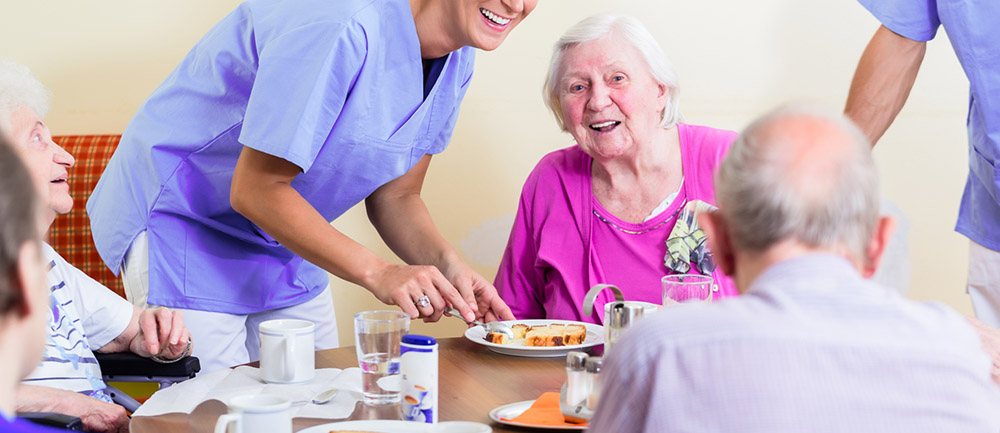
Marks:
<point>376,336</point>
<point>687,288</point>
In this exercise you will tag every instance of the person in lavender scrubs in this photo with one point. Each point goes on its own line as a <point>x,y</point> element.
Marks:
<point>602,211</point>
<point>881,85</point>
<point>285,115</point>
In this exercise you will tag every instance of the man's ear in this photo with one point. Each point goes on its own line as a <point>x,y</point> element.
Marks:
<point>876,245</point>
<point>719,242</point>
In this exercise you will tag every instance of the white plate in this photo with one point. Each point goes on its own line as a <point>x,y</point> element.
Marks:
<point>390,426</point>
<point>595,336</point>
<point>511,411</point>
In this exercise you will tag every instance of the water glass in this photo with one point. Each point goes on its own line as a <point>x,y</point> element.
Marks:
<point>376,336</point>
<point>687,288</point>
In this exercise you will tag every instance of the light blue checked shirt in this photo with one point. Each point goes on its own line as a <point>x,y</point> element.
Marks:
<point>811,347</point>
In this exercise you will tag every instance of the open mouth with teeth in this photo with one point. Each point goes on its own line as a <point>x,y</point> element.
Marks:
<point>605,126</point>
<point>494,19</point>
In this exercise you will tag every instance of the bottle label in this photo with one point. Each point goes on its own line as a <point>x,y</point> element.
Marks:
<point>419,366</point>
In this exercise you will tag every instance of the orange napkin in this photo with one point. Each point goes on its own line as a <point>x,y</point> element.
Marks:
<point>544,411</point>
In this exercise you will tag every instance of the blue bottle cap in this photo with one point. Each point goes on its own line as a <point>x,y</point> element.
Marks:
<point>419,340</point>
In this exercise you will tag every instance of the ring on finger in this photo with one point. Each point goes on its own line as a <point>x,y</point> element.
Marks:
<point>423,301</point>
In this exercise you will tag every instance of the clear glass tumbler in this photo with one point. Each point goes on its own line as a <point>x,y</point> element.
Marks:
<point>376,336</point>
<point>687,288</point>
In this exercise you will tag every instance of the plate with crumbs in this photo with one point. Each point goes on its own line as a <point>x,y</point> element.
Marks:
<point>538,338</point>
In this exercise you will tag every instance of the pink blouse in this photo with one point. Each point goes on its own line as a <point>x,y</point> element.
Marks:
<point>559,247</point>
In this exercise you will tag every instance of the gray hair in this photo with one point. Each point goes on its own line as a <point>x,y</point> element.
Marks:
<point>635,34</point>
<point>18,88</point>
<point>767,195</point>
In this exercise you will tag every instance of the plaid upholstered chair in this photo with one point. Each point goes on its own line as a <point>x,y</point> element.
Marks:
<point>70,233</point>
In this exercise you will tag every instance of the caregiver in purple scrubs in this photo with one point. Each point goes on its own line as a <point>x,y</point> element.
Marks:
<point>284,116</point>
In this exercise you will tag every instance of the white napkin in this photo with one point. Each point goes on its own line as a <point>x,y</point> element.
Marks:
<point>225,384</point>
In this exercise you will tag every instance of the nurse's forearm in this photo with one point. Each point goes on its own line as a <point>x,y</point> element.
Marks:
<point>399,214</point>
<point>882,81</point>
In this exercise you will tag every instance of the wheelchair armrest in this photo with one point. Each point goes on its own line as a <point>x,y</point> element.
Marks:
<point>130,364</point>
<point>52,419</point>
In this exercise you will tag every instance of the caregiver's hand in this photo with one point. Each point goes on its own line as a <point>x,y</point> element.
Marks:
<point>403,286</point>
<point>468,281</point>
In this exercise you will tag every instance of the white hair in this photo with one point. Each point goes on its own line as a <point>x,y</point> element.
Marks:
<point>634,34</point>
<point>765,200</point>
<point>18,88</point>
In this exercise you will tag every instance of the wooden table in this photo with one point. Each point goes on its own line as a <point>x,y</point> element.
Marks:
<point>473,380</point>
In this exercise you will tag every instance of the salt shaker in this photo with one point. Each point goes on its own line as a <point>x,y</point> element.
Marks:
<point>594,366</point>
<point>574,393</point>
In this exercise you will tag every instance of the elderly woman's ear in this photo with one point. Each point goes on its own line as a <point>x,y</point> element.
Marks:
<point>663,97</point>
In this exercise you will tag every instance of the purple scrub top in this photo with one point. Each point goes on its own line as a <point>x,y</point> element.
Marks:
<point>972,28</point>
<point>335,87</point>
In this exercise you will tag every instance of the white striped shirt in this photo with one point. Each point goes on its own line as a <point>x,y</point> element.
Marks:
<point>84,317</point>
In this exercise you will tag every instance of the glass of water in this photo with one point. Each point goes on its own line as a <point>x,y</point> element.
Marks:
<point>687,288</point>
<point>376,336</point>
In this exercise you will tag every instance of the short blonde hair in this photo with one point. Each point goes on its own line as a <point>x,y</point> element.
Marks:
<point>635,34</point>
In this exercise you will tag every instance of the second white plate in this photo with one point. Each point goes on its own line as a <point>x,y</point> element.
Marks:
<point>595,336</point>
<point>388,426</point>
<point>504,414</point>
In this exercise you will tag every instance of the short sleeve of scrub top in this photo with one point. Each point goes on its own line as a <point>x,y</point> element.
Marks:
<point>913,19</point>
<point>291,117</point>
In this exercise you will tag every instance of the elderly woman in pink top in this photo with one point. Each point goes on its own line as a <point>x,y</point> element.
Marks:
<point>602,211</point>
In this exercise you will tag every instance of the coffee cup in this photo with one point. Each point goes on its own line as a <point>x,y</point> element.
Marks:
<point>287,353</point>
<point>261,413</point>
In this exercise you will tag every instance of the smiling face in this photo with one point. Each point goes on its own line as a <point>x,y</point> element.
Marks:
<point>609,100</point>
<point>46,160</point>
<point>484,24</point>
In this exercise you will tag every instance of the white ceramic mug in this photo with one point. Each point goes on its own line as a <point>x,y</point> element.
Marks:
<point>287,354</point>
<point>260,413</point>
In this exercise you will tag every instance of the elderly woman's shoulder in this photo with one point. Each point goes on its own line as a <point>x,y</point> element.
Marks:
<point>566,163</point>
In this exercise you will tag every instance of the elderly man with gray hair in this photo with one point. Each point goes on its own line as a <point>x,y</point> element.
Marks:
<point>812,345</point>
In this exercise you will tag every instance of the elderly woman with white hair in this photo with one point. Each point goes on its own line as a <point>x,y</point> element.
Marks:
<point>602,211</point>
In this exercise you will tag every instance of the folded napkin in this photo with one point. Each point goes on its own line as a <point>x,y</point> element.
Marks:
<point>544,411</point>
<point>225,384</point>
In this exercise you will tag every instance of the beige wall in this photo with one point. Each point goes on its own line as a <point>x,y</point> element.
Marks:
<point>735,59</point>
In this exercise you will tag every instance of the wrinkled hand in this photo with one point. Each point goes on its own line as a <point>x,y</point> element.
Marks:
<point>96,415</point>
<point>99,416</point>
<point>403,285</point>
<point>490,307</point>
<point>161,332</point>
<point>990,338</point>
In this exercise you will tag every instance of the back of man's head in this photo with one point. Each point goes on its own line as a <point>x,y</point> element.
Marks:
<point>19,223</point>
<point>802,174</point>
